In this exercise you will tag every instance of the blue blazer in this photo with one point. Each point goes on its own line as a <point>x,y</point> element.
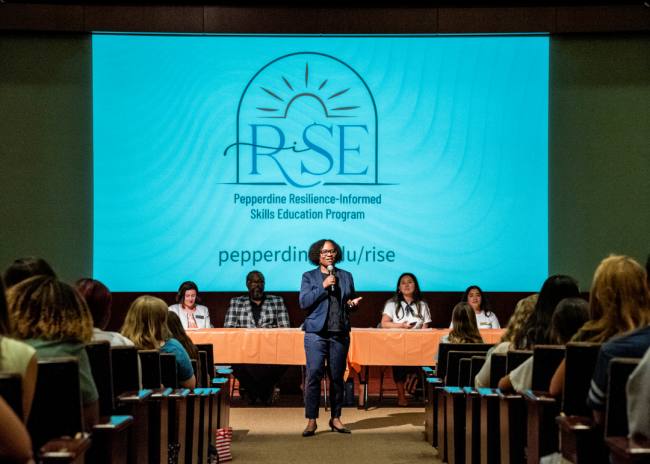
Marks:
<point>315,299</point>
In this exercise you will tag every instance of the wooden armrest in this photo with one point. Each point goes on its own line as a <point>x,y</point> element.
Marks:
<point>219,380</point>
<point>64,450</point>
<point>178,393</point>
<point>137,396</point>
<point>161,393</point>
<point>429,372</point>
<point>434,381</point>
<point>112,423</point>
<point>508,396</point>
<point>454,391</point>
<point>218,367</point>
<point>539,397</point>
<point>628,447</point>
<point>471,391</point>
<point>488,392</point>
<point>224,371</point>
<point>575,423</point>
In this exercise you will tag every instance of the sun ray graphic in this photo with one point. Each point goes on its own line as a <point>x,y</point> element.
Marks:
<point>293,94</point>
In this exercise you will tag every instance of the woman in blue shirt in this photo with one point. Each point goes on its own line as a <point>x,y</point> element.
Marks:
<point>146,326</point>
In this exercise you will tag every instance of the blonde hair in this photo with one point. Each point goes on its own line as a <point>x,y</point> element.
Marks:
<point>619,301</point>
<point>45,308</point>
<point>146,323</point>
<point>522,311</point>
<point>465,329</point>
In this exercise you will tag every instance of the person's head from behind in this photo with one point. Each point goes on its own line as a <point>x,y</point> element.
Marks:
<point>177,332</point>
<point>99,299</point>
<point>522,311</point>
<point>619,301</point>
<point>255,285</point>
<point>146,323</point>
<point>569,316</point>
<point>474,296</point>
<point>188,295</point>
<point>537,329</point>
<point>465,328</point>
<point>24,268</point>
<point>45,308</point>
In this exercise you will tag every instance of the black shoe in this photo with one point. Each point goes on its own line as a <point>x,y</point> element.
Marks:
<point>309,433</point>
<point>343,430</point>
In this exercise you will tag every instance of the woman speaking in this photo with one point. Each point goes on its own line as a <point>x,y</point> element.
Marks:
<point>328,296</point>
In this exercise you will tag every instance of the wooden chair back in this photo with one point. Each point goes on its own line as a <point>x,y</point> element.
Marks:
<point>464,372</point>
<point>546,359</point>
<point>445,348</point>
<point>195,367</point>
<point>150,361</point>
<point>99,355</point>
<point>453,365</point>
<point>497,368</point>
<point>476,365</point>
<point>205,380</point>
<point>56,409</point>
<point>516,358</point>
<point>168,370</point>
<point>209,351</point>
<point>11,390</point>
<point>124,360</point>
<point>616,407</point>
<point>580,364</point>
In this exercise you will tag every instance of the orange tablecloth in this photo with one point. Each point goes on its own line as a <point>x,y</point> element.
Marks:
<point>374,347</point>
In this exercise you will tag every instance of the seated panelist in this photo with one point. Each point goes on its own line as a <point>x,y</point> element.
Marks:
<point>192,316</point>
<point>405,310</point>
<point>485,319</point>
<point>257,309</point>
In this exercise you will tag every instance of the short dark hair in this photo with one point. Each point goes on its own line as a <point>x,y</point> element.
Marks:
<point>24,268</point>
<point>185,286</point>
<point>248,276</point>
<point>315,249</point>
<point>99,300</point>
<point>569,316</point>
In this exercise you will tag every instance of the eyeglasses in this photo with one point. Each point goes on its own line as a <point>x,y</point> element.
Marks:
<point>328,252</point>
<point>256,282</point>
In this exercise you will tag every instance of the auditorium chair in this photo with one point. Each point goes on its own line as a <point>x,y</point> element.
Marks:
<point>578,433</point>
<point>623,450</point>
<point>168,370</point>
<point>436,396</point>
<point>150,362</point>
<point>12,392</point>
<point>101,366</point>
<point>453,394</point>
<point>490,440</point>
<point>209,351</point>
<point>130,400</point>
<point>223,381</point>
<point>541,407</point>
<point>178,420</point>
<point>193,428</point>
<point>472,411</point>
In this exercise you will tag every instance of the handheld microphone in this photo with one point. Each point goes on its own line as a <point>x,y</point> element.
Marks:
<point>331,269</point>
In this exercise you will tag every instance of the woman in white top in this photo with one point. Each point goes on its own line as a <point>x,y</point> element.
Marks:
<point>405,310</point>
<point>192,316</point>
<point>485,319</point>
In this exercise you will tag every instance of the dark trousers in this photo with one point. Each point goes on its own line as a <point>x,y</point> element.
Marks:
<point>401,372</point>
<point>258,379</point>
<point>333,348</point>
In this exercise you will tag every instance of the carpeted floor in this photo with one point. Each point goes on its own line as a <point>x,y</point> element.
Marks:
<point>380,435</point>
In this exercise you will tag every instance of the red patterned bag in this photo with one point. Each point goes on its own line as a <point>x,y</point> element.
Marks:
<point>224,436</point>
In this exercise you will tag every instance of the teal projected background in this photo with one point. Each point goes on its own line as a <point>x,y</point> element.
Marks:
<point>214,156</point>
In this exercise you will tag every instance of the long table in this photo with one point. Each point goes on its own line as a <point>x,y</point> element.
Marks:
<point>368,347</point>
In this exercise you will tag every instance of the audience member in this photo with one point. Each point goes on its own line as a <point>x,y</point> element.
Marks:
<point>485,318</point>
<point>405,310</point>
<point>569,316</point>
<point>537,328</point>
<point>257,309</point>
<point>54,319</point>
<point>638,399</point>
<point>523,309</point>
<point>24,268</point>
<point>99,299</point>
<point>465,328</point>
<point>146,326</point>
<point>15,442</point>
<point>191,314</point>
<point>618,304</point>
<point>17,357</point>
<point>178,333</point>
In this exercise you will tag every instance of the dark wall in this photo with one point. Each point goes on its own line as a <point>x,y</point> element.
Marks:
<point>369,314</point>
